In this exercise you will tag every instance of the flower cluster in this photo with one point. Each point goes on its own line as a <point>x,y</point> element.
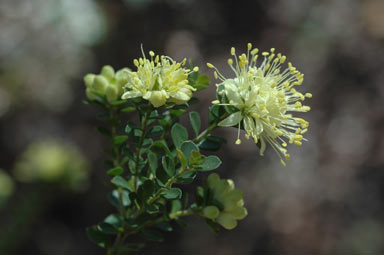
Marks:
<point>262,97</point>
<point>159,80</point>
<point>7,186</point>
<point>52,161</point>
<point>106,84</point>
<point>227,202</point>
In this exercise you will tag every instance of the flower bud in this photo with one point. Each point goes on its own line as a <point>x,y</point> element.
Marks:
<point>211,212</point>
<point>108,72</point>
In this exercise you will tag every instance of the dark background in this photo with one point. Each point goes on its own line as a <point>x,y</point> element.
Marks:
<point>329,198</point>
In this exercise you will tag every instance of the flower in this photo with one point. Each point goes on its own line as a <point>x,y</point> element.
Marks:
<point>262,97</point>
<point>107,83</point>
<point>7,186</point>
<point>52,161</point>
<point>159,80</point>
<point>227,202</point>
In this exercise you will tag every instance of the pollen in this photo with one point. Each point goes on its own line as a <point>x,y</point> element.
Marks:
<point>265,99</point>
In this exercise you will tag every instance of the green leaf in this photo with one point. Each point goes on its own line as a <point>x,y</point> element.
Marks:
<point>186,178</point>
<point>212,143</point>
<point>117,140</point>
<point>120,182</point>
<point>213,225</point>
<point>210,163</point>
<point>231,120</point>
<point>202,82</point>
<point>195,122</point>
<point>175,206</point>
<point>187,147</point>
<point>101,239</point>
<point>152,159</point>
<point>115,220</point>
<point>163,145</point>
<point>183,160</point>
<point>114,198</point>
<point>168,166</point>
<point>128,109</point>
<point>146,190</point>
<point>156,131</point>
<point>107,228</point>
<point>175,113</point>
<point>179,134</point>
<point>115,171</point>
<point>172,193</point>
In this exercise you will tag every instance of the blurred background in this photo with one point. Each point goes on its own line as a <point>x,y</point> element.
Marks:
<point>329,198</point>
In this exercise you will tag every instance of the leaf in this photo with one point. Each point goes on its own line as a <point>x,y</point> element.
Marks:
<point>187,147</point>
<point>101,239</point>
<point>128,109</point>
<point>179,134</point>
<point>117,140</point>
<point>210,163</point>
<point>114,198</point>
<point>231,120</point>
<point>107,228</point>
<point>146,190</point>
<point>195,122</point>
<point>212,143</point>
<point>182,159</point>
<point>152,159</point>
<point>172,193</point>
<point>168,166</point>
<point>175,206</point>
<point>163,145</point>
<point>120,182</point>
<point>186,178</point>
<point>156,131</point>
<point>115,171</point>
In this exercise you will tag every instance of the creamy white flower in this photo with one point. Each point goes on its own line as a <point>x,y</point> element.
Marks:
<point>263,97</point>
<point>159,80</point>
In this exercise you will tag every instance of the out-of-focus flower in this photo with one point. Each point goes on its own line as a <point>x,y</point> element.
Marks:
<point>107,83</point>
<point>260,99</point>
<point>227,202</point>
<point>6,186</point>
<point>52,161</point>
<point>159,80</point>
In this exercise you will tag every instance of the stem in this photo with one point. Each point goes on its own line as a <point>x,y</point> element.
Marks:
<point>205,133</point>
<point>180,213</point>
<point>168,184</point>
<point>116,163</point>
<point>139,147</point>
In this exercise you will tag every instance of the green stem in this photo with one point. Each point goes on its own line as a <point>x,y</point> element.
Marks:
<point>205,133</point>
<point>139,147</point>
<point>168,184</point>
<point>116,163</point>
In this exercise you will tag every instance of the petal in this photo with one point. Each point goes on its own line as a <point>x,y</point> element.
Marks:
<point>227,221</point>
<point>131,94</point>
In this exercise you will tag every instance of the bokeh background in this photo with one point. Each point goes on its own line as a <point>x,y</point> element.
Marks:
<point>329,198</point>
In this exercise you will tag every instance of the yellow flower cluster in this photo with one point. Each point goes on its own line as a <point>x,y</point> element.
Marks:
<point>159,80</point>
<point>7,186</point>
<point>52,161</point>
<point>264,96</point>
<point>106,84</point>
<point>228,202</point>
